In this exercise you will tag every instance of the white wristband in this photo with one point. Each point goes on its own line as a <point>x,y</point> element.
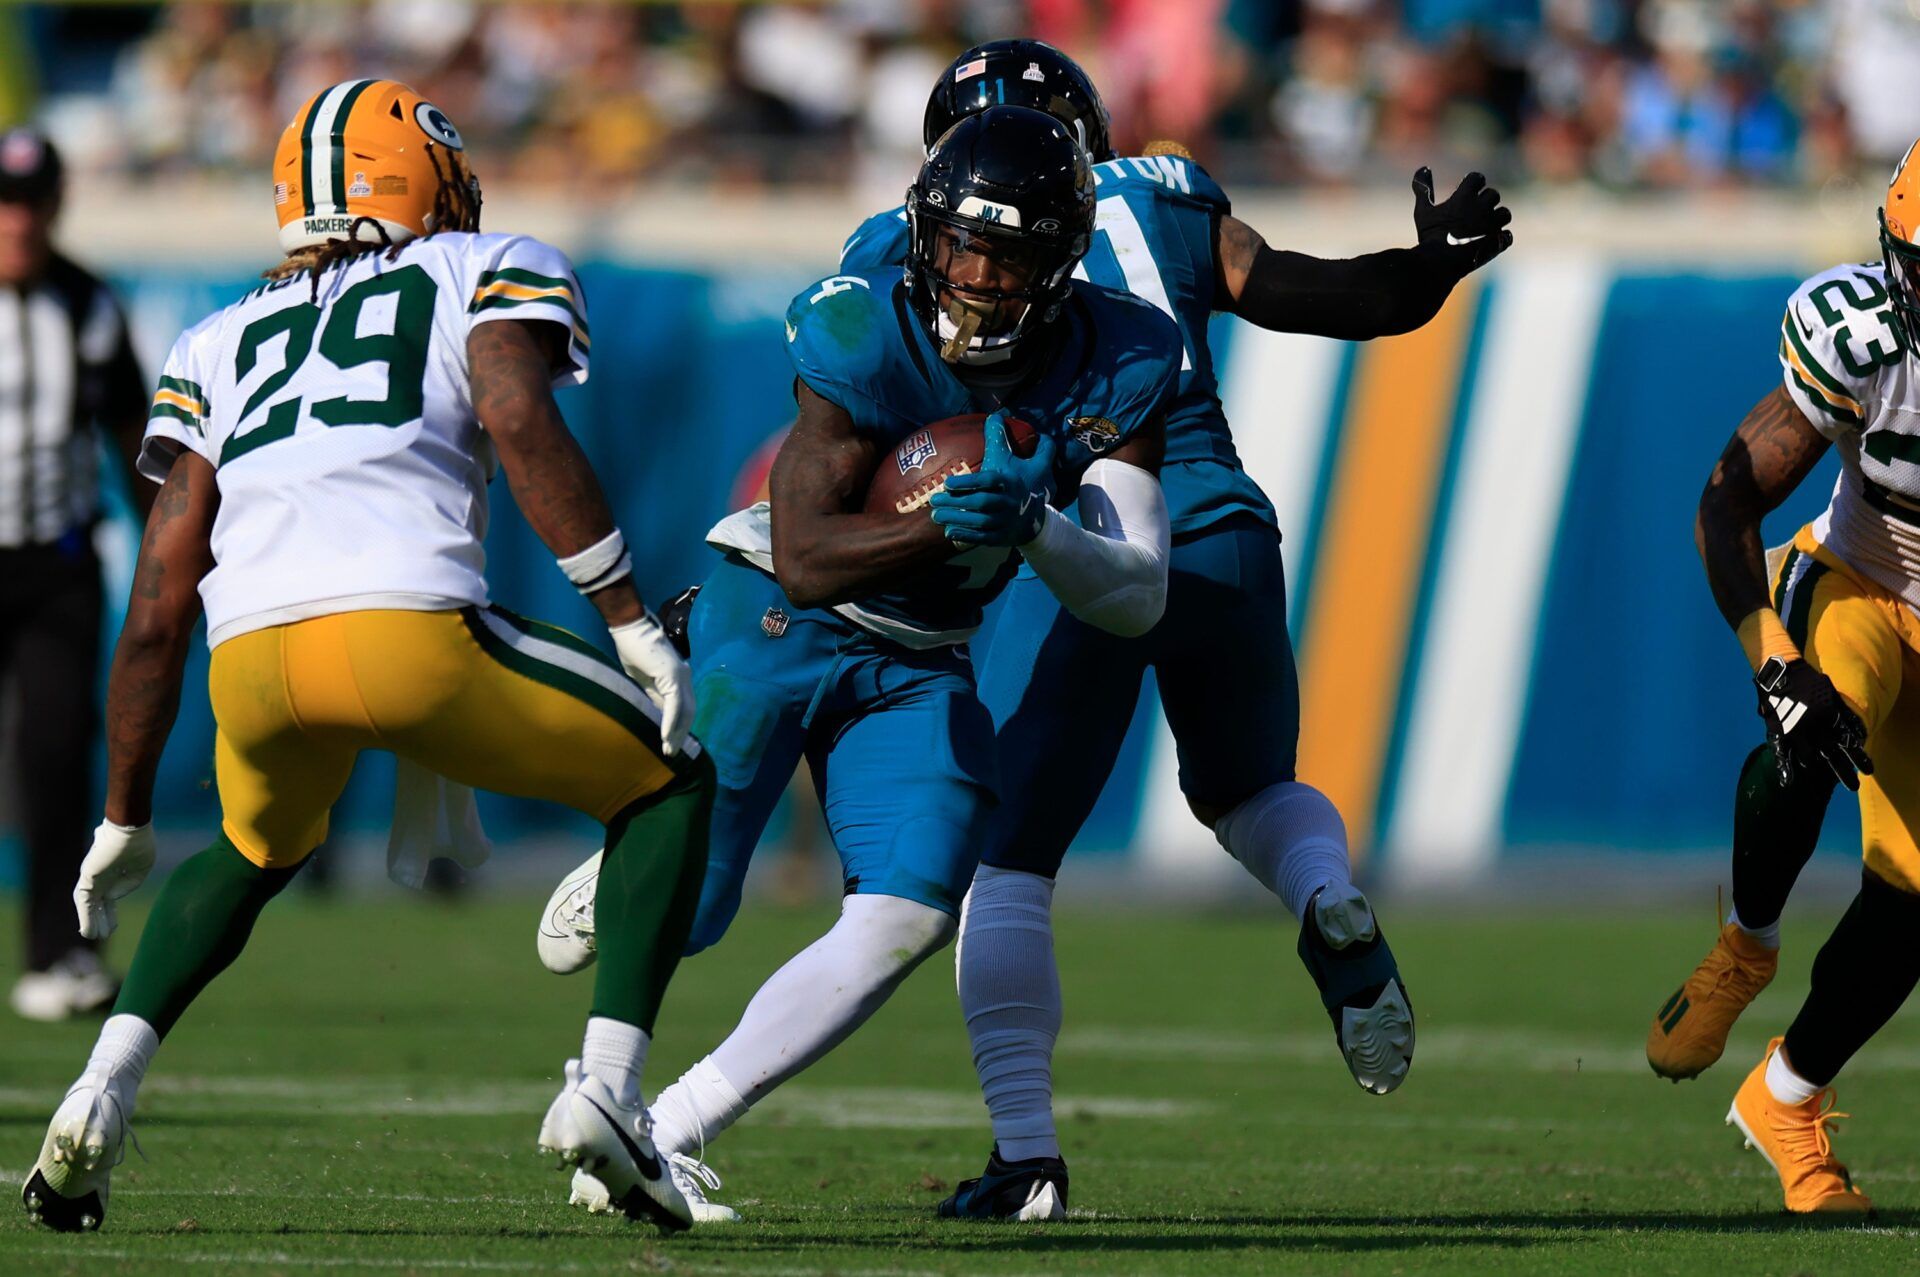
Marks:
<point>599,565</point>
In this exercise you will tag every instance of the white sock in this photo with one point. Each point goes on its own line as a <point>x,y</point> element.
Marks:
<point>1289,836</point>
<point>615,1052</point>
<point>804,1010</point>
<point>695,1109</point>
<point>1787,1086</point>
<point>1010,995</point>
<point>1768,935</point>
<point>123,1050</point>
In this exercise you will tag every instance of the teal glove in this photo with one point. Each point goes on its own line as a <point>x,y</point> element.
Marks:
<point>1006,502</point>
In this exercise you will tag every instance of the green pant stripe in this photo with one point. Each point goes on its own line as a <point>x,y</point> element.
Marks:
<point>1800,610</point>
<point>555,634</point>
<point>564,680</point>
<point>1786,575</point>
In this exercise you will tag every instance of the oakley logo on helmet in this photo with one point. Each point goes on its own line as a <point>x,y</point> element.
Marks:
<point>1048,226</point>
<point>988,211</point>
<point>434,122</point>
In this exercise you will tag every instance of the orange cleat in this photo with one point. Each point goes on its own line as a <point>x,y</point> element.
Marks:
<point>1796,1142</point>
<point>1691,1030</point>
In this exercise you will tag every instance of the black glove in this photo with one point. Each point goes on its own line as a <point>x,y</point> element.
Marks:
<point>673,619</point>
<point>1467,230</point>
<point>1807,722</point>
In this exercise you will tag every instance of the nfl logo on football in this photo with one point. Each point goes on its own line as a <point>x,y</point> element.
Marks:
<point>916,452</point>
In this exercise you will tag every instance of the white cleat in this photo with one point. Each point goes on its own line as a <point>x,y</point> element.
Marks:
<point>565,941</point>
<point>694,1178</point>
<point>78,984</point>
<point>1044,1205</point>
<point>591,1193</point>
<point>67,1190</point>
<point>589,1129</point>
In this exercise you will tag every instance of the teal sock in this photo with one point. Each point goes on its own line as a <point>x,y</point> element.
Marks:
<point>648,895</point>
<point>197,928</point>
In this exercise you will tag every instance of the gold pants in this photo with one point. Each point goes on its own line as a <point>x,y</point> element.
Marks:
<point>480,696</point>
<point>1867,641</point>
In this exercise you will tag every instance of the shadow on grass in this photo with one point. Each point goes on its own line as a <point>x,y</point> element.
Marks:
<point>894,1230</point>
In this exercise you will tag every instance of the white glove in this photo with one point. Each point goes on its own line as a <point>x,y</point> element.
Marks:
<point>651,660</point>
<point>117,863</point>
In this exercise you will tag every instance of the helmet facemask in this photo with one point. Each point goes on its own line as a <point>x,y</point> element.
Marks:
<point>981,286</point>
<point>1902,259</point>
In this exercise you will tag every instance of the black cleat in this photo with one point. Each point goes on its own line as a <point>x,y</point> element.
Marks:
<point>1032,1189</point>
<point>1360,986</point>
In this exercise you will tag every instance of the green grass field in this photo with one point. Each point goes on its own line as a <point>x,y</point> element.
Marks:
<point>361,1094</point>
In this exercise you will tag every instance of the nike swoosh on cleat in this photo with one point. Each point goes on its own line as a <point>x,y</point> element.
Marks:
<point>649,1164</point>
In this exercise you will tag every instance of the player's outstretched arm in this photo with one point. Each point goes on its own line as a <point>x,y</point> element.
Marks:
<point>826,550</point>
<point>1810,725</point>
<point>149,662</point>
<point>1762,464</point>
<point>1377,295</point>
<point>512,365</point>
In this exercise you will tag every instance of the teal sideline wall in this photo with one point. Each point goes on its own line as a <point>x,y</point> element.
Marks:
<point>1630,709</point>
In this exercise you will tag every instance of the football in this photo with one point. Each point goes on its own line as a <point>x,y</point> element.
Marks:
<point>920,466</point>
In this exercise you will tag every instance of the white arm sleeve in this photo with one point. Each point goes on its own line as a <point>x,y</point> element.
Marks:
<point>1111,571</point>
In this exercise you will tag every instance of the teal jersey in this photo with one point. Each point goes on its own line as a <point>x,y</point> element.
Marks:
<point>1153,238</point>
<point>855,341</point>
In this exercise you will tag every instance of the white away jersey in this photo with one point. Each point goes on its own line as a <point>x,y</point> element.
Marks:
<point>352,472</point>
<point>1843,357</point>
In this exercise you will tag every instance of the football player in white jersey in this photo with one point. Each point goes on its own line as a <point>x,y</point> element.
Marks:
<point>324,446</point>
<point>1835,647</point>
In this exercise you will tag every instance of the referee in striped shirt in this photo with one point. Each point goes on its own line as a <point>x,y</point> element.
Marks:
<point>68,381</point>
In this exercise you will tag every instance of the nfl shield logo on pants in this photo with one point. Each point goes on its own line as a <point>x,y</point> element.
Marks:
<point>774,623</point>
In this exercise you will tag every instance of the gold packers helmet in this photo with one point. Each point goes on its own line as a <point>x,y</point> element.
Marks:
<point>371,151</point>
<point>1899,221</point>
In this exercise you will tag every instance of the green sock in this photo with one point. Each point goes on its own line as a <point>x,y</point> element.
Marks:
<point>197,928</point>
<point>649,893</point>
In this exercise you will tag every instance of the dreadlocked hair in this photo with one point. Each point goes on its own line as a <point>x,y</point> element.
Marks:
<point>318,259</point>
<point>455,207</point>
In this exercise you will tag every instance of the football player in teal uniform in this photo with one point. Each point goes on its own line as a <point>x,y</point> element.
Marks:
<point>1062,692</point>
<point>839,637</point>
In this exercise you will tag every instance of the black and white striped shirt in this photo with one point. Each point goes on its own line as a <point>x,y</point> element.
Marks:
<point>67,368</point>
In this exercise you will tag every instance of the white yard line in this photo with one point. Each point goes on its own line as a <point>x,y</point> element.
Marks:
<point>836,1108</point>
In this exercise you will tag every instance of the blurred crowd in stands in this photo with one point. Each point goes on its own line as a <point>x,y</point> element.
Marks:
<point>1625,94</point>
